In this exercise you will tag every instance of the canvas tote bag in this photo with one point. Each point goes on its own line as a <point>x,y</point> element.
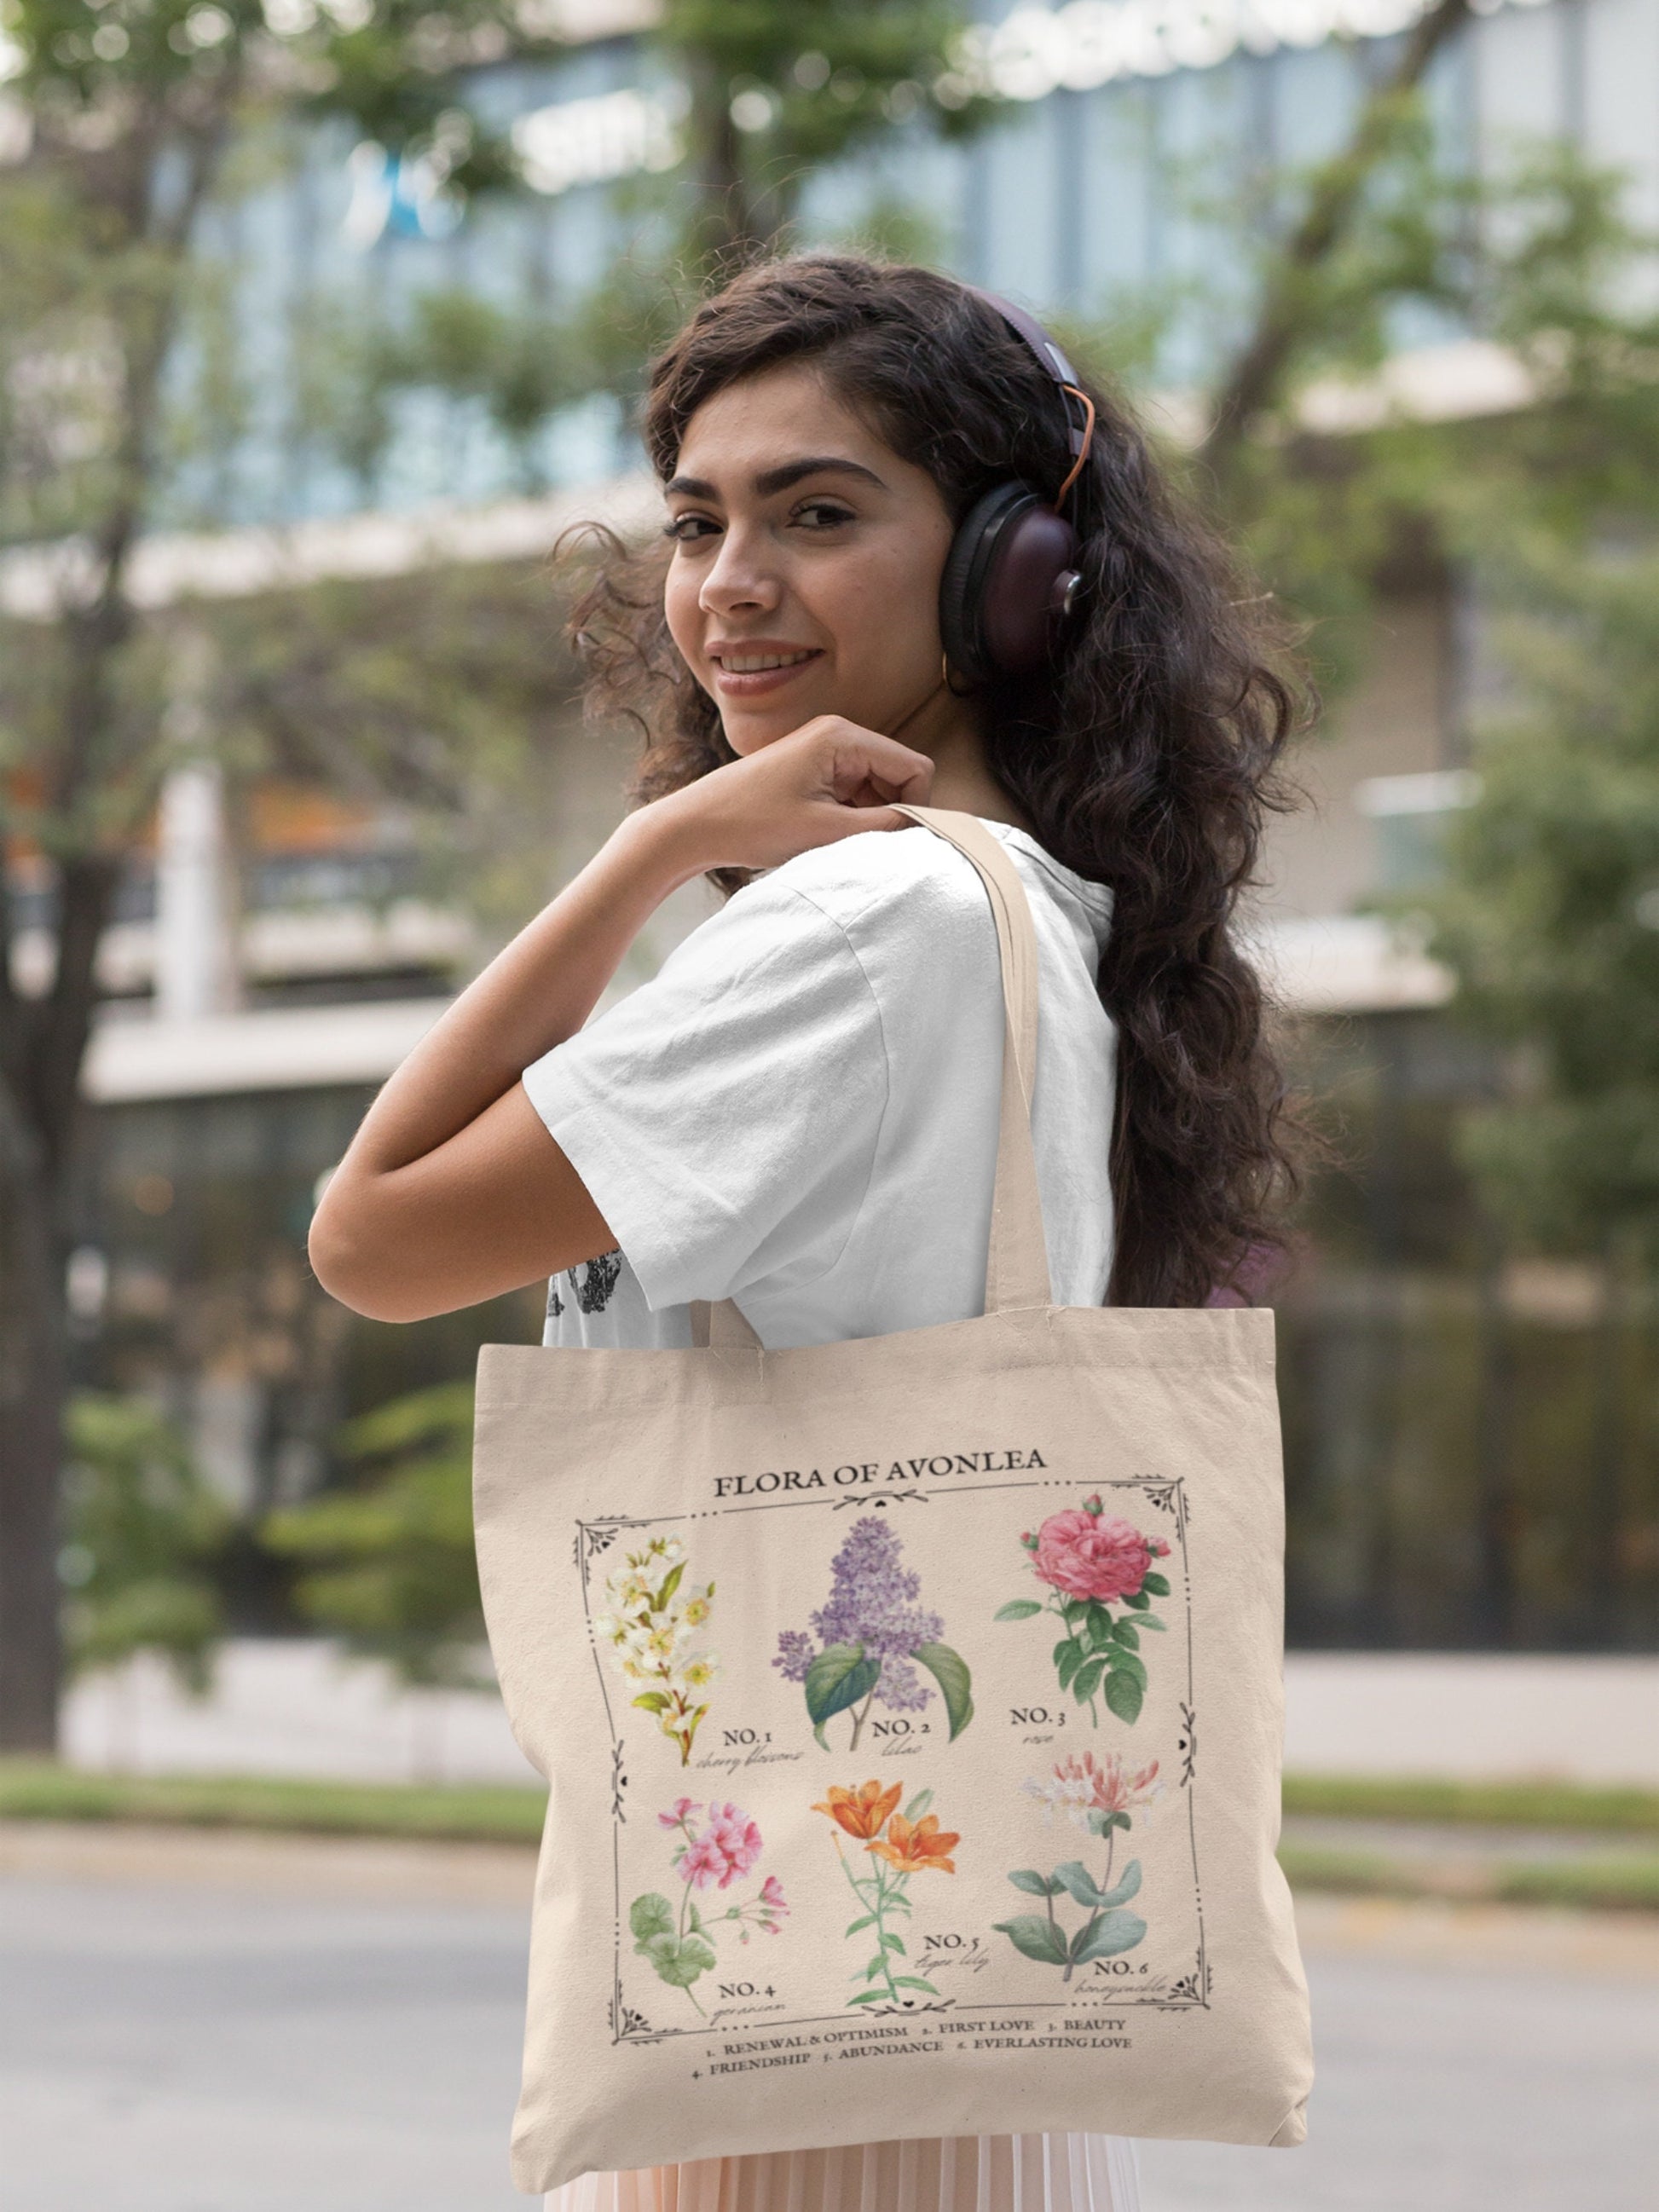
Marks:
<point>912,1712</point>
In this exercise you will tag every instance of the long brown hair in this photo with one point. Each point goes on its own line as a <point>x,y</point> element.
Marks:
<point>1146,760</point>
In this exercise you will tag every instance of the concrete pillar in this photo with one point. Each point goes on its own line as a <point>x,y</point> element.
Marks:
<point>195,906</point>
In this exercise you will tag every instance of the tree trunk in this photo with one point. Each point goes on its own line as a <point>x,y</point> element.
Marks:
<point>32,1386</point>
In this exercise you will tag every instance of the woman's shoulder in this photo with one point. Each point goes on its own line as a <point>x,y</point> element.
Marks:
<point>880,880</point>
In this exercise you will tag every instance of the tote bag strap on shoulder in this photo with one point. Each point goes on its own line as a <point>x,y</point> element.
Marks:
<point>1016,1261</point>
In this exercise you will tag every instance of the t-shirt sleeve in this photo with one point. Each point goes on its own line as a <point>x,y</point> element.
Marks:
<point>724,1117</point>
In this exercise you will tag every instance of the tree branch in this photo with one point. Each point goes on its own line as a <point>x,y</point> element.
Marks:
<point>1289,301</point>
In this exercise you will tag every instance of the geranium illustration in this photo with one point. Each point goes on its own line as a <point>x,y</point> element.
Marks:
<point>869,1636</point>
<point>680,1945</point>
<point>901,1844</point>
<point>1100,1796</point>
<point>1091,1561</point>
<point>646,1630</point>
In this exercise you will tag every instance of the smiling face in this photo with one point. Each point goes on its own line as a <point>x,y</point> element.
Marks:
<point>806,565</point>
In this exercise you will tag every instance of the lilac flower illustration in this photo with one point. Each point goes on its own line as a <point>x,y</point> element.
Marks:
<point>869,1638</point>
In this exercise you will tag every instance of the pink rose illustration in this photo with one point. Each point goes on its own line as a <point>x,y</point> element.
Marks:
<point>1091,1560</point>
<point>1091,1554</point>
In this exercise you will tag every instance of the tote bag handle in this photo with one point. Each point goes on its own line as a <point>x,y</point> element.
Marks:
<point>1017,1259</point>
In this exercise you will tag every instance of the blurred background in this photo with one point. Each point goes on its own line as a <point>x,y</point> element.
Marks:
<point>321,323</point>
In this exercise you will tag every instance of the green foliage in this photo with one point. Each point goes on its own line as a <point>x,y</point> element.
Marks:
<point>496,1813</point>
<point>1548,913</point>
<point>389,1567</point>
<point>781,86</point>
<point>141,1531</point>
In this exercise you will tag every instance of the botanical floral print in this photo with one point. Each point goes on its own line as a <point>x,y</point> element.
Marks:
<point>648,1628</point>
<point>901,1844</point>
<point>680,1945</point>
<point>1092,1560</point>
<point>1099,1795</point>
<point>870,1632</point>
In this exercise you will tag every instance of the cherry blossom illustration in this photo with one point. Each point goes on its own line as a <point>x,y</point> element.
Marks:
<point>869,1639</point>
<point>647,1630</point>
<point>710,1853</point>
<point>1091,1560</point>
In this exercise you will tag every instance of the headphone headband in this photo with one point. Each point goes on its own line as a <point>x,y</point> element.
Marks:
<point>1049,359</point>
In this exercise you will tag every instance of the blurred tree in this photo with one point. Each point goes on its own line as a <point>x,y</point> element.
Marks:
<point>390,1566</point>
<point>1548,911</point>
<point>779,88</point>
<point>141,1533</point>
<point>131,108</point>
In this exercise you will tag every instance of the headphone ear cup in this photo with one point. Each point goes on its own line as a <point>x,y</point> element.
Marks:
<point>968,566</point>
<point>1006,579</point>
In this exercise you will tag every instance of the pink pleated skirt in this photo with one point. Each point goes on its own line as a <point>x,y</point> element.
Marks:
<point>961,2173</point>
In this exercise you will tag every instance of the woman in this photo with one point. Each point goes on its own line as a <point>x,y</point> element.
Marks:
<point>800,1110</point>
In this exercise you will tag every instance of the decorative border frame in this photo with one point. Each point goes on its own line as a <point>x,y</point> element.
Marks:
<point>1162,1494</point>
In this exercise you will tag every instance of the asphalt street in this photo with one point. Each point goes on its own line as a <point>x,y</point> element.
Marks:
<point>259,2045</point>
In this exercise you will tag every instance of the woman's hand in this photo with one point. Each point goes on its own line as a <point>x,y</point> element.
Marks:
<point>828,779</point>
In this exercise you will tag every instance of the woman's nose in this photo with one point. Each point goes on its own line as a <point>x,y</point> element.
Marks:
<point>740,578</point>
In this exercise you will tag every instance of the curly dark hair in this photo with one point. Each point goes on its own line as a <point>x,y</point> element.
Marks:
<point>1146,760</point>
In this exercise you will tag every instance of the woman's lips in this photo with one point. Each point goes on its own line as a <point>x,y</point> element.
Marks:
<point>751,682</point>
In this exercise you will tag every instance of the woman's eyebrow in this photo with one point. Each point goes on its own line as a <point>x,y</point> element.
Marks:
<point>781,478</point>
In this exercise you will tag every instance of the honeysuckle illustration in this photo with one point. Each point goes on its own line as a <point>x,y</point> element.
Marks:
<point>901,1844</point>
<point>711,1854</point>
<point>645,1629</point>
<point>1091,1560</point>
<point>1101,1797</point>
<point>1097,1794</point>
<point>870,1638</point>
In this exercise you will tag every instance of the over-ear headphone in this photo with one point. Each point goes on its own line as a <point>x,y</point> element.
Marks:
<point>1010,578</point>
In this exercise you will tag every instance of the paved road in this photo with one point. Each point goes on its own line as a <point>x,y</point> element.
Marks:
<point>174,2047</point>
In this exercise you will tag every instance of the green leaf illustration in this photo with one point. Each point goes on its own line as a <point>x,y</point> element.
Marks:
<point>668,1589</point>
<point>1137,1599</point>
<point>1036,1884</point>
<point>950,1670</point>
<point>1076,1877</point>
<point>648,1917</point>
<point>1124,1633</point>
<point>838,1678</point>
<point>1122,1890</point>
<point>854,1926</point>
<point>1125,1663</point>
<point>1151,1620</point>
<point>1100,1624</point>
<point>1018,1608</point>
<point>914,1982</point>
<point>891,1942</point>
<point>868,1996</point>
<point>1158,1584</point>
<point>678,1960</point>
<point>1037,1936</point>
<point>652,1701</point>
<point>1088,1680</point>
<point>918,1805</point>
<point>1069,1657</point>
<point>1081,1883</point>
<point>1125,1696</point>
<point>1105,1937</point>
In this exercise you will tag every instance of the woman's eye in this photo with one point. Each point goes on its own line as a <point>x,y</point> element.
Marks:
<point>683,529</point>
<point>822,513</point>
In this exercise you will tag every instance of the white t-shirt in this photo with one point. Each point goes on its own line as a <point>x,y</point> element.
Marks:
<point>800,1109</point>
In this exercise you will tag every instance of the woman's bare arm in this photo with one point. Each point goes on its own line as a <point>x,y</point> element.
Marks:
<point>452,1191</point>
